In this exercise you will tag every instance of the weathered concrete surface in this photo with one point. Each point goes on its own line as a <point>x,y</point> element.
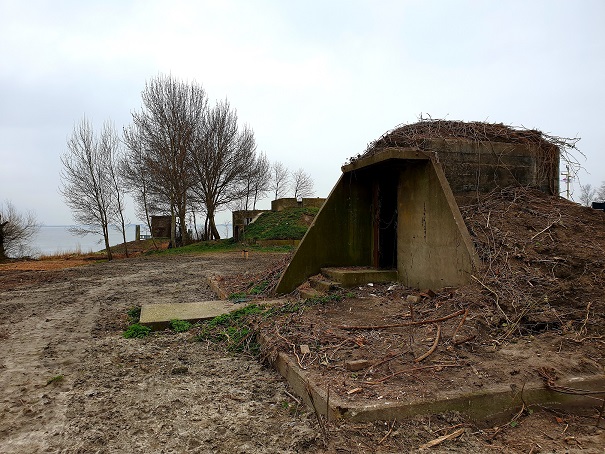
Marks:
<point>434,248</point>
<point>485,408</point>
<point>359,276</point>
<point>472,166</point>
<point>158,316</point>
<point>338,235</point>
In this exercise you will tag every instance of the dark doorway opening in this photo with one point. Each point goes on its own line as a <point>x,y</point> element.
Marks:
<point>385,220</point>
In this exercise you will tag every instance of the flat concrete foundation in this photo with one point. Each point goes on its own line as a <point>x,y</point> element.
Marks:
<point>487,407</point>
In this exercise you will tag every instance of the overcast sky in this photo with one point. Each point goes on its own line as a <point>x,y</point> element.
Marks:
<point>316,80</point>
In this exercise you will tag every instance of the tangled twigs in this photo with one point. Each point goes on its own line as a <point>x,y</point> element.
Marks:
<point>546,228</point>
<point>400,325</point>
<point>433,347</point>
<point>497,302</point>
<point>292,346</point>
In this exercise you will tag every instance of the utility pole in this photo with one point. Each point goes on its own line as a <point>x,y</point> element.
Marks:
<point>567,179</point>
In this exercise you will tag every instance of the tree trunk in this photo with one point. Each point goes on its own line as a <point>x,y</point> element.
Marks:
<point>214,235</point>
<point>172,227</point>
<point>2,250</point>
<point>106,238</point>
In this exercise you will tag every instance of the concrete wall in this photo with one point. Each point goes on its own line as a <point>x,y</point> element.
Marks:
<point>241,218</point>
<point>433,245</point>
<point>483,167</point>
<point>339,236</point>
<point>160,226</point>
<point>281,204</point>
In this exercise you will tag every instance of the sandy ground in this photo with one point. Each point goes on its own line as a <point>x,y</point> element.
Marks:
<point>71,383</point>
<point>161,394</point>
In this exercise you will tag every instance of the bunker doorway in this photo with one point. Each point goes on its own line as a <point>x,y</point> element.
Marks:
<point>385,221</point>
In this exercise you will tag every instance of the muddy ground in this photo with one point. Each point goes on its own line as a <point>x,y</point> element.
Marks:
<point>71,383</point>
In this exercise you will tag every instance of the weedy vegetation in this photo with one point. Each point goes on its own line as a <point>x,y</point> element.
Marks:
<point>137,331</point>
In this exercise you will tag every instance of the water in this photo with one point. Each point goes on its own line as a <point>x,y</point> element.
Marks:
<point>57,239</point>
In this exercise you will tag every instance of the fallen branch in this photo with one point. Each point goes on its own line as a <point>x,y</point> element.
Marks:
<point>293,397</point>
<point>438,441</point>
<point>493,293</point>
<point>400,325</point>
<point>460,324</point>
<point>388,433</point>
<point>320,421</point>
<point>546,228</point>
<point>390,358</point>
<point>433,347</point>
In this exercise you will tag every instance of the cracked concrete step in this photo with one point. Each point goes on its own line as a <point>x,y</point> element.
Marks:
<point>352,277</point>
<point>321,284</point>
<point>309,292</point>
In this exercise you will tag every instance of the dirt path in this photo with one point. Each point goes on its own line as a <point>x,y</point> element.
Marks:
<point>162,394</point>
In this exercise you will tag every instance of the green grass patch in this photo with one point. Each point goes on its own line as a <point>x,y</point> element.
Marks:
<point>236,330</point>
<point>180,326</point>
<point>290,224</point>
<point>233,329</point>
<point>136,331</point>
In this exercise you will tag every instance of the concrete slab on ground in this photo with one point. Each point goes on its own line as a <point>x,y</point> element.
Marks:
<point>158,316</point>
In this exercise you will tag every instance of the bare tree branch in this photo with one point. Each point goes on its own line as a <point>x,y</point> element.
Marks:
<point>302,184</point>
<point>280,178</point>
<point>86,182</point>
<point>16,230</point>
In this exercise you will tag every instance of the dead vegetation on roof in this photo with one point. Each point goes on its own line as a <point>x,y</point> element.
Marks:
<point>419,135</point>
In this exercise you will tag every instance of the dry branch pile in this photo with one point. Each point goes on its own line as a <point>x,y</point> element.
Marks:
<point>418,135</point>
<point>540,286</point>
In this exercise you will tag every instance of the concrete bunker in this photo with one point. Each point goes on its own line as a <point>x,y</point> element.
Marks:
<point>394,207</point>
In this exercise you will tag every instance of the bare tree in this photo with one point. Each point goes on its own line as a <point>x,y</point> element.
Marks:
<point>601,193</point>
<point>16,230</point>
<point>86,182</point>
<point>171,117</point>
<point>221,159</point>
<point>587,194</point>
<point>302,184</point>
<point>256,183</point>
<point>262,176</point>
<point>111,146</point>
<point>137,179</point>
<point>280,177</point>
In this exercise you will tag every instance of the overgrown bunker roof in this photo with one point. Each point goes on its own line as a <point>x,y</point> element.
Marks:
<point>418,135</point>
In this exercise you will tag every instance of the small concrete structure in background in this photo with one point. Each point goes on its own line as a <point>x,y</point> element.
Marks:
<point>160,226</point>
<point>243,218</point>
<point>394,206</point>
<point>285,203</point>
